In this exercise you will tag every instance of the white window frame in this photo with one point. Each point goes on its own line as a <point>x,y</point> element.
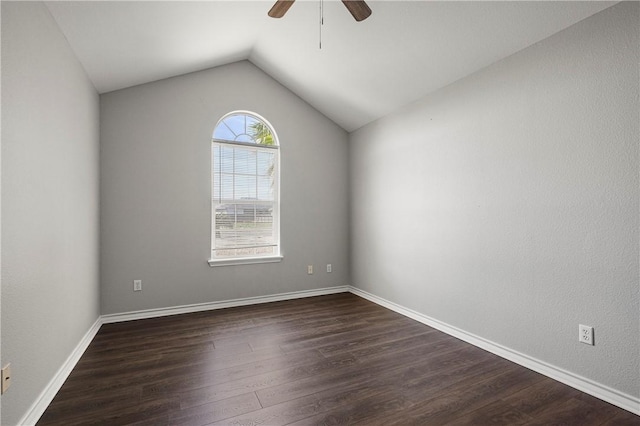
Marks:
<point>244,260</point>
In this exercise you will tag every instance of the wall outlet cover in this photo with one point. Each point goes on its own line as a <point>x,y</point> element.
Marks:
<point>585,334</point>
<point>6,378</point>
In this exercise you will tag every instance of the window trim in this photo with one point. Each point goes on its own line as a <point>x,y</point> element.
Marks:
<point>271,258</point>
<point>245,260</point>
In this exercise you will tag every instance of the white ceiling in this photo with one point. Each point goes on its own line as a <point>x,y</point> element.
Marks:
<point>364,70</point>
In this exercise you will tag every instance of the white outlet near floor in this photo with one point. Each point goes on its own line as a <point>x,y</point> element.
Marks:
<point>328,267</point>
<point>6,378</point>
<point>310,269</point>
<point>137,285</point>
<point>585,334</point>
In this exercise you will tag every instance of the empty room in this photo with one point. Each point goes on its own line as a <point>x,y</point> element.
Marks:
<point>320,212</point>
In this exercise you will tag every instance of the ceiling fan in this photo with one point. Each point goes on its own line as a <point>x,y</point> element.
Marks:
<point>358,9</point>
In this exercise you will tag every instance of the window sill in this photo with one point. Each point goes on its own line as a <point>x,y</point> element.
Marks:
<point>245,261</point>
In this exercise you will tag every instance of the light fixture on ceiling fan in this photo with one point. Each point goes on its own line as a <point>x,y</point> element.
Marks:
<point>358,9</point>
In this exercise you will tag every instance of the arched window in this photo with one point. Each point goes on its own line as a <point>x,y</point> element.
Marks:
<point>245,182</point>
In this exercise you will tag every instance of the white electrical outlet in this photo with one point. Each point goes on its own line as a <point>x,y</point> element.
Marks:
<point>328,267</point>
<point>585,334</point>
<point>6,378</point>
<point>310,269</point>
<point>137,285</point>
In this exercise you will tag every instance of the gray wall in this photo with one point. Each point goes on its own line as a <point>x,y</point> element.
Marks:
<point>155,191</point>
<point>506,204</point>
<point>50,294</point>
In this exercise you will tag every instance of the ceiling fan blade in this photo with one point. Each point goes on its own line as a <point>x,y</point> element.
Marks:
<point>280,8</point>
<point>358,8</point>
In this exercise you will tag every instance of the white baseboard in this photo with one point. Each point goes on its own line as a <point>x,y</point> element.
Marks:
<point>198,307</point>
<point>600,391</point>
<point>46,396</point>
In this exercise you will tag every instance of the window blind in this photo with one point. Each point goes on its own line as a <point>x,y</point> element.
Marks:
<point>244,199</point>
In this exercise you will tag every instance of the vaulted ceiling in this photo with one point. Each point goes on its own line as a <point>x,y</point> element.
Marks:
<point>365,70</point>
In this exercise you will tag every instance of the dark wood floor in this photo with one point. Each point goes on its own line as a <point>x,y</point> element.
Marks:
<point>326,360</point>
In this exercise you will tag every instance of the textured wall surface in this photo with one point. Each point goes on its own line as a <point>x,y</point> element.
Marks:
<point>50,294</point>
<point>506,204</point>
<point>155,191</point>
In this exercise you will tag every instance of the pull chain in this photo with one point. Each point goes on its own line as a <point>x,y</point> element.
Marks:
<point>321,20</point>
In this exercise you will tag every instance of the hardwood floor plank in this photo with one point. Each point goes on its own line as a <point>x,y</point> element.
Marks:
<point>345,334</point>
<point>301,408</point>
<point>367,341</point>
<point>266,334</point>
<point>208,394</point>
<point>496,413</point>
<point>575,412</point>
<point>113,413</point>
<point>79,405</point>
<point>440,364</point>
<point>623,418</point>
<point>215,411</point>
<point>468,395</point>
<point>366,411</point>
<point>154,348</point>
<point>335,359</point>
<point>360,372</point>
<point>540,397</point>
<point>419,388</point>
<point>302,332</point>
<point>206,378</point>
<point>434,338</point>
